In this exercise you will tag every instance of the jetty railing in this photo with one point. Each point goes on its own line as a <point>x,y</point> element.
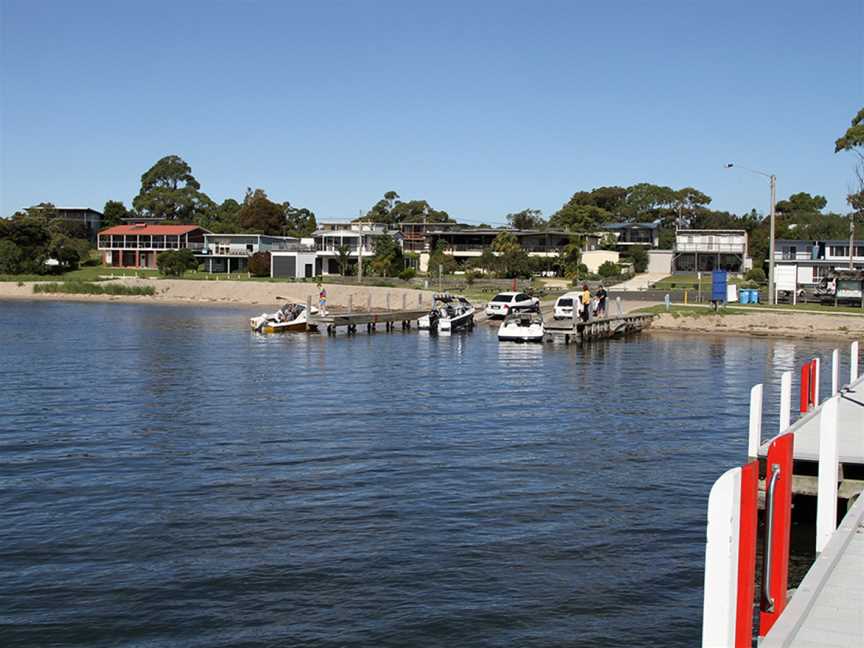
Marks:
<point>730,550</point>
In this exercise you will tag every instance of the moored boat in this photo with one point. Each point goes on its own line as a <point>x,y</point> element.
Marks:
<point>290,318</point>
<point>522,327</point>
<point>449,313</point>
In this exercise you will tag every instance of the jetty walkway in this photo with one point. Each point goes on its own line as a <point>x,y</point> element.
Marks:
<point>820,456</point>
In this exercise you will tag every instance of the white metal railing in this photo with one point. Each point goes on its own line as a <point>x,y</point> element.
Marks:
<point>733,248</point>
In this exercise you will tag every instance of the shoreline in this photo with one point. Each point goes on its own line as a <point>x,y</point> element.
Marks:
<point>763,324</point>
<point>263,295</point>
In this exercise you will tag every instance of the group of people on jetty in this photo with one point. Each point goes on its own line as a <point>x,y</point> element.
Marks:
<point>596,304</point>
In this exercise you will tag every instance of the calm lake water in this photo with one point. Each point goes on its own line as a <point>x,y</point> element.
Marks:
<point>169,479</point>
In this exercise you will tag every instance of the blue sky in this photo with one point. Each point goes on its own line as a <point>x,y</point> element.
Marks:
<point>482,108</point>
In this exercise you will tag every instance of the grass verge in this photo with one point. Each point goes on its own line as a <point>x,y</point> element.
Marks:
<point>84,288</point>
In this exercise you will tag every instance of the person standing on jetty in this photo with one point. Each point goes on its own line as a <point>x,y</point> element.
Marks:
<point>586,302</point>
<point>601,295</point>
<point>322,298</point>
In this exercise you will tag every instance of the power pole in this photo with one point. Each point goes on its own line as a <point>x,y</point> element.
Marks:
<point>851,238</point>
<point>360,253</point>
<point>771,299</point>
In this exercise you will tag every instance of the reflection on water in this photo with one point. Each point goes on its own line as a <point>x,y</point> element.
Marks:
<point>170,478</point>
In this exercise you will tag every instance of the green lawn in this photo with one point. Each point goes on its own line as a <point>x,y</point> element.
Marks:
<point>691,282</point>
<point>743,309</point>
<point>678,310</point>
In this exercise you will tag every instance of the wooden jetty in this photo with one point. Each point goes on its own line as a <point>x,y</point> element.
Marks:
<point>577,331</point>
<point>371,320</point>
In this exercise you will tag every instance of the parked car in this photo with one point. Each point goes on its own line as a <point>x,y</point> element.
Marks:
<point>564,306</point>
<point>505,303</point>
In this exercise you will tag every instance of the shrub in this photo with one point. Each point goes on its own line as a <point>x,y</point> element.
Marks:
<point>471,276</point>
<point>176,262</point>
<point>757,275</point>
<point>640,258</point>
<point>407,274</point>
<point>259,264</point>
<point>609,269</point>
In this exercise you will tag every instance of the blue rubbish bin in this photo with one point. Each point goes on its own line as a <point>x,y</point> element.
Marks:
<point>744,296</point>
<point>754,296</point>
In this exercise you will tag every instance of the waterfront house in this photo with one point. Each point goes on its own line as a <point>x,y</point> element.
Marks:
<point>357,238</point>
<point>469,243</point>
<point>814,259</point>
<point>631,234</point>
<point>707,250</point>
<point>231,252</point>
<point>136,245</point>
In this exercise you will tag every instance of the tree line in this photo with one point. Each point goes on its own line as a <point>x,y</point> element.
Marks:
<point>169,192</point>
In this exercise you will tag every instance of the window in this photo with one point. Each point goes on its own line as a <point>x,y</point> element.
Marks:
<point>839,250</point>
<point>565,301</point>
<point>501,298</point>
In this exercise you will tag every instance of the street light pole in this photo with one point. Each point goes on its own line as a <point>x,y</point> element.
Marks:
<point>773,181</point>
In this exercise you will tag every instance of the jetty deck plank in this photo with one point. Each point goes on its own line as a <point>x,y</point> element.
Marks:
<point>827,609</point>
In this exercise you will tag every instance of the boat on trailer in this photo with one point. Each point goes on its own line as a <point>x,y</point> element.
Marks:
<point>290,318</point>
<point>449,313</point>
<point>522,327</point>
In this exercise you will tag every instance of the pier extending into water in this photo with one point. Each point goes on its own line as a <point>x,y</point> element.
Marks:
<point>826,443</point>
<point>601,328</point>
<point>350,318</point>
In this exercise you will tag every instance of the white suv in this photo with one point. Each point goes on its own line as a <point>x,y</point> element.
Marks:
<point>564,305</point>
<point>505,303</point>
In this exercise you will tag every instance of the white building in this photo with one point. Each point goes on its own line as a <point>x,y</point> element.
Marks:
<point>231,252</point>
<point>358,239</point>
<point>813,259</point>
<point>707,250</point>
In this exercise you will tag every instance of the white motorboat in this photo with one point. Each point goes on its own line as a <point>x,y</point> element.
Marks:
<point>449,313</point>
<point>522,327</point>
<point>289,318</point>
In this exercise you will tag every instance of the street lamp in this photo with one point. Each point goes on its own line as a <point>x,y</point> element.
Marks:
<point>773,180</point>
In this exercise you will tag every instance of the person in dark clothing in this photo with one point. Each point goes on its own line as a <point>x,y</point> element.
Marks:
<point>601,295</point>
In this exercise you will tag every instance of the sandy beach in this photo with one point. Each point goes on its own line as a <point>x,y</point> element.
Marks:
<point>767,324</point>
<point>239,293</point>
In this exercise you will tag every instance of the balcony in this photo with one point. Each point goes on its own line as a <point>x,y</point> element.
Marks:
<point>711,248</point>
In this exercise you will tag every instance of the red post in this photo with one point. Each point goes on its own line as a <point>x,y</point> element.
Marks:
<point>805,388</point>
<point>747,555</point>
<point>778,519</point>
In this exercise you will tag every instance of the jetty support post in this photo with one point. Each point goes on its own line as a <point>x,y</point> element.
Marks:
<point>730,559</point>
<point>785,399</point>
<point>754,438</point>
<point>835,371</point>
<point>309,304</point>
<point>826,496</point>
<point>853,363</point>
<point>620,308</point>
<point>404,301</point>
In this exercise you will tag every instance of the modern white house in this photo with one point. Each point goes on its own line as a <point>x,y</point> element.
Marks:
<point>707,250</point>
<point>813,259</point>
<point>231,252</point>
<point>357,239</point>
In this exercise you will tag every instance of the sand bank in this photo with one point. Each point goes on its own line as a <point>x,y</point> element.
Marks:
<point>240,293</point>
<point>765,324</point>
